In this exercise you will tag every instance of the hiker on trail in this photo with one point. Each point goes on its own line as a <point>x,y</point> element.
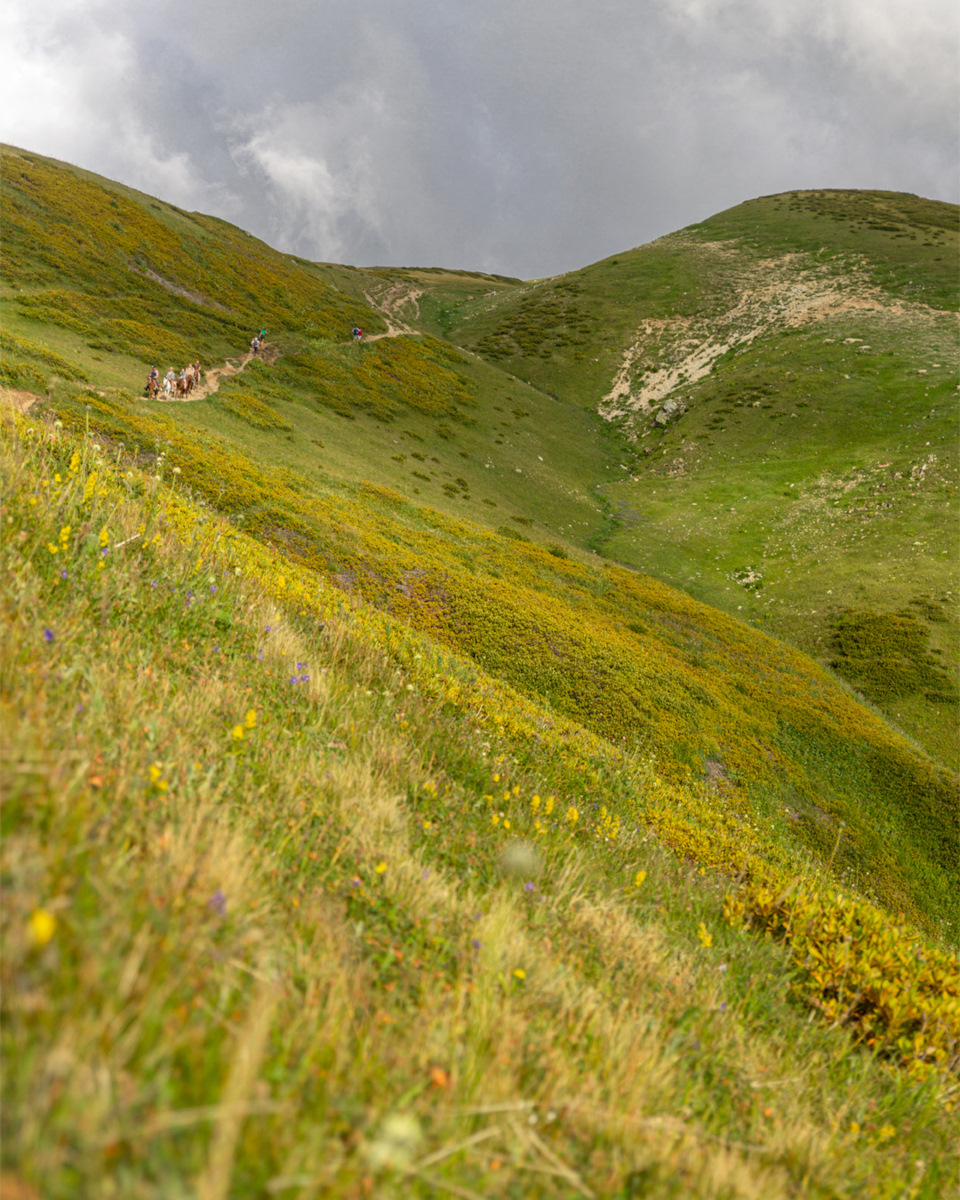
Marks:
<point>263,337</point>
<point>357,333</point>
<point>255,345</point>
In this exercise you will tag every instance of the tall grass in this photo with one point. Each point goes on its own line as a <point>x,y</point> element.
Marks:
<point>266,930</point>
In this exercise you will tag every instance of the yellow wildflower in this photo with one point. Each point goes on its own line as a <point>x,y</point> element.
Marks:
<point>238,733</point>
<point>706,938</point>
<point>519,973</point>
<point>380,868</point>
<point>641,876</point>
<point>43,924</point>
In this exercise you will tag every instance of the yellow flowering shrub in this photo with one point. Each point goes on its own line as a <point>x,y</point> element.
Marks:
<point>898,993</point>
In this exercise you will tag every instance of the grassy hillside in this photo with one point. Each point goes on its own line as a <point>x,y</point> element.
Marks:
<point>786,376</point>
<point>339,768</point>
<point>298,902</point>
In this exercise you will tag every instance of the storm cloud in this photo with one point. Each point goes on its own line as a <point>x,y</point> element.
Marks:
<point>525,138</point>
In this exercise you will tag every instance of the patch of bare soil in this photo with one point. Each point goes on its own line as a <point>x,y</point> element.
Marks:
<point>21,401</point>
<point>789,291</point>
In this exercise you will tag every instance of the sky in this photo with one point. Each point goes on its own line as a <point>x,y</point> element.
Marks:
<point>523,138</point>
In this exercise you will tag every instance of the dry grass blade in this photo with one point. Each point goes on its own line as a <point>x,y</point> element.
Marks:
<point>214,1183</point>
<point>453,1188</point>
<point>483,1136</point>
<point>532,1139</point>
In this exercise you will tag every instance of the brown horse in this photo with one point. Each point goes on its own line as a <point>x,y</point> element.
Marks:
<point>152,387</point>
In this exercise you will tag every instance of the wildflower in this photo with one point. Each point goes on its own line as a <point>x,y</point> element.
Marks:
<point>706,938</point>
<point>156,777</point>
<point>476,943</point>
<point>64,573</point>
<point>52,548</point>
<point>529,886</point>
<point>640,877</point>
<point>572,815</point>
<point>380,868</point>
<point>218,902</point>
<point>519,973</point>
<point>535,803</point>
<point>238,733</point>
<point>548,807</point>
<point>250,720</point>
<point>885,1132</point>
<point>43,924</point>
<point>104,538</point>
<point>48,635</point>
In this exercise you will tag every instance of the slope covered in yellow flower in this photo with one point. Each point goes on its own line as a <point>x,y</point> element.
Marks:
<point>362,831</point>
<point>296,897</point>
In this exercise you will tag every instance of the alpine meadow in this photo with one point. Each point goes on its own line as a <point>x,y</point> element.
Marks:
<point>510,753</point>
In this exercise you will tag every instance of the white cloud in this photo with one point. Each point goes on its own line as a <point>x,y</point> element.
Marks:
<point>525,138</point>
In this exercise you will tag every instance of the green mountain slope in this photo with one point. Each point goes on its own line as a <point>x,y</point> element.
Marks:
<point>323,649</point>
<point>785,374</point>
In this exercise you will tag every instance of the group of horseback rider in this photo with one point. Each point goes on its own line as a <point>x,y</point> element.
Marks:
<point>173,384</point>
<point>183,384</point>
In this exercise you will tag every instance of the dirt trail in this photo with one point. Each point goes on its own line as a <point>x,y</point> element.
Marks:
<point>211,379</point>
<point>389,305</point>
<point>18,399</point>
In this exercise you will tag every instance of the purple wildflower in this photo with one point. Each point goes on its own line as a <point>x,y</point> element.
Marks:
<point>48,635</point>
<point>529,887</point>
<point>476,943</point>
<point>64,573</point>
<point>218,902</point>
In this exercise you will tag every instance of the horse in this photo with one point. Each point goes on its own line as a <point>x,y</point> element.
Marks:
<point>181,387</point>
<point>152,388</point>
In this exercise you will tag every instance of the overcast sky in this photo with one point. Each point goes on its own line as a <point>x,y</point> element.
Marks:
<point>524,137</point>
